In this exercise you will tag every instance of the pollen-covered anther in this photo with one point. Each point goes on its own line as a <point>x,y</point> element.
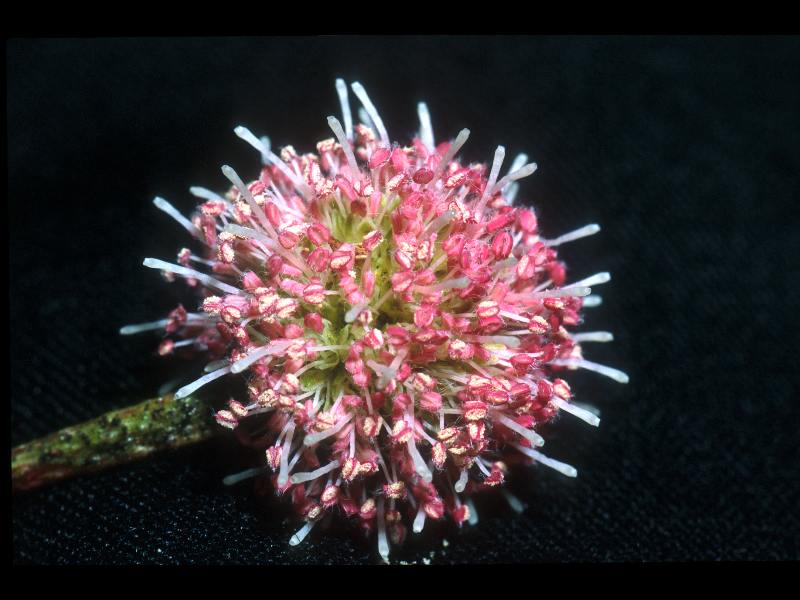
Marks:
<point>474,410</point>
<point>395,491</point>
<point>314,293</point>
<point>329,496</point>
<point>538,325</point>
<point>368,509</point>
<point>401,432</point>
<point>226,419</point>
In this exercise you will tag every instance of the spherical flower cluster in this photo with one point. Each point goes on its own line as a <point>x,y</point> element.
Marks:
<point>401,324</point>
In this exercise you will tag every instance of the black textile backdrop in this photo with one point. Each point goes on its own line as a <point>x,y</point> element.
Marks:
<point>685,150</point>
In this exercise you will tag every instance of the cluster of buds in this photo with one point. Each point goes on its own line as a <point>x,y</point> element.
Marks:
<point>401,323</point>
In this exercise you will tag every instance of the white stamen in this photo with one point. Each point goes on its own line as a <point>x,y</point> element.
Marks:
<point>234,178</point>
<point>254,355</point>
<point>246,135</point>
<point>336,127</point>
<point>525,171</point>
<point>595,279</point>
<point>352,314</point>
<point>472,519</point>
<point>591,301</point>
<point>510,315</point>
<point>301,534</point>
<point>582,363</point>
<point>512,500</point>
<point>519,162</point>
<point>283,474</point>
<point>419,464</point>
<point>207,280</point>
<point>247,474</point>
<point>425,126</point>
<point>559,466</point>
<point>364,118</point>
<point>593,336</point>
<point>198,383</point>
<point>510,190</point>
<point>583,232</point>
<point>326,348</point>
<point>419,520</point>
<point>460,140</point>
<point>438,223</point>
<point>462,481</point>
<point>583,415</point>
<point>265,141</point>
<point>383,541</point>
<point>204,193</point>
<point>372,112</point>
<point>310,475</point>
<point>341,90</point>
<point>506,340</point>
<point>162,204</point>
<point>499,155</point>
<point>459,283</point>
<point>533,437</point>
<point>318,436</point>
<point>133,329</point>
<point>564,292</point>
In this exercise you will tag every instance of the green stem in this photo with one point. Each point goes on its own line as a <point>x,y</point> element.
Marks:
<point>115,438</point>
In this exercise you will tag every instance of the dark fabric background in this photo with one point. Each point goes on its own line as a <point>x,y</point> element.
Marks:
<point>685,150</point>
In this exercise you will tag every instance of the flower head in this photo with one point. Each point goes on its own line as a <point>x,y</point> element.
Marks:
<point>400,322</point>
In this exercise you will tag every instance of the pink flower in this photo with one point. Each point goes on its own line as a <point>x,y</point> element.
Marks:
<point>399,321</point>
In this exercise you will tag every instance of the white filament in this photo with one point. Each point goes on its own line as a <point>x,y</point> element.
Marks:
<point>559,466</point>
<point>372,112</point>
<point>341,90</point>
<point>472,519</point>
<point>133,329</point>
<point>533,437</point>
<point>425,126</point>
<point>510,190</point>
<point>499,155</point>
<point>198,383</point>
<point>591,301</point>
<point>582,414</point>
<point>247,474</point>
<point>593,336</point>
<point>419,464</point>
<point>583,232</point>
<point>525,171</point>
<point>582,363</point>
<point>272,348</point>
<point>301,534</point>
<point>512,500</point>
<point>245,134</point>
<point>460,140</point>
<point>204,193</point>
<point>595,279</point>
<point>318,436</point>
<point>383,541</point>
<point>462,481</point>
<point>334,124</point>
<point>234,178</point>
<point>162,204</point>
<point>155,263</point>
<point>564,292</point>
<point>310,475</point>
<point>419,520</point>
